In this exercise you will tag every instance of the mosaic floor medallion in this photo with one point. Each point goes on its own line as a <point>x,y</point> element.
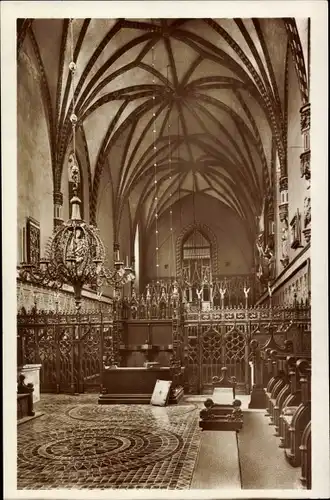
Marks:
<point>86,445</point>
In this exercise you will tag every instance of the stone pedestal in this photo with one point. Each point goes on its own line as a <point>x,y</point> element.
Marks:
<point>32,376</point>
<point>258,397</point>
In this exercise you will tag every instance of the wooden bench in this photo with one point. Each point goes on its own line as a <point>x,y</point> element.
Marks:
<point>288,400</point>
<point>276,384</point>
<point>219,417</point>
<point>227,414</point>
<point>306,457</point>
<point>290,394</point>
<point>289,406</point>
<point>301,416</point>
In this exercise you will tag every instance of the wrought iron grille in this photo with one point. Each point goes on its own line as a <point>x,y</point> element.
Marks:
<point>73,348</point>
<point>70,348</point>
<point>221,337</point>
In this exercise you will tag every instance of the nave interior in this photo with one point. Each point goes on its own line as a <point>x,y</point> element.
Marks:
<point>164,234</point>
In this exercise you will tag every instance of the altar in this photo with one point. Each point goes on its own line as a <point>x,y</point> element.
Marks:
<point>135,385</point>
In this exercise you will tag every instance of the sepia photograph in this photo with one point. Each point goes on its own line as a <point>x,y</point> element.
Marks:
<point>163,268</point>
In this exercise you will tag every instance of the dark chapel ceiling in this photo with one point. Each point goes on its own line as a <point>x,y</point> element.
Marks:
<point>217,88</point>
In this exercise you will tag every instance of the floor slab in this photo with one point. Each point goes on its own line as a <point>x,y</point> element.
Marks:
<point>217,465</point>
<point>263,465</point>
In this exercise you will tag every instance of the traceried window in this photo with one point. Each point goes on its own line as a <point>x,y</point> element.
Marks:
<point>196,265</point>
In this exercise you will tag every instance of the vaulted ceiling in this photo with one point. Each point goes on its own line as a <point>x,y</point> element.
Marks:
<point>197,105</point>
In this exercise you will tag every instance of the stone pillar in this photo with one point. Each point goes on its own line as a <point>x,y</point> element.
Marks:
<point>58,203</point>
<point>305,167</point>
<point>283,215</point>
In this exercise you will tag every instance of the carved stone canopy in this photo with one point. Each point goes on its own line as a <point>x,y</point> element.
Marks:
<point>305,164</point>
<point>283,211</point>
<point>307,234</point>
<point>305,117</point>
<point>283,183</point>
<point>58,198</point>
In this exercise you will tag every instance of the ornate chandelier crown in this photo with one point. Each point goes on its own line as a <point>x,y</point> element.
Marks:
<point>76,256</point>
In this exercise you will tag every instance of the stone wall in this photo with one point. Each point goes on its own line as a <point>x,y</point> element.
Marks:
<point>234,249</point>
<point>34,166</point>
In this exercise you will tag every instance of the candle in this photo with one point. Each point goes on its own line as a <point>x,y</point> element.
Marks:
<point>126,260</point>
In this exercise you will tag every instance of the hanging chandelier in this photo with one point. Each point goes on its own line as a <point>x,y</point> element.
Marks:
<point>76,253</point>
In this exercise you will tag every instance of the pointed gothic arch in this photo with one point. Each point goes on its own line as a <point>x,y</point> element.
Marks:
<point>208,234</point>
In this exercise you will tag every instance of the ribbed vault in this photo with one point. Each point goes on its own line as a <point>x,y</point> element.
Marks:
<point>213,89</point>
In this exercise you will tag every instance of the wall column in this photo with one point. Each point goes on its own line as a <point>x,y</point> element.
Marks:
<point>132,282</point>
<point>271,236</point>
<point>283,209</point>
<point>305,167</point>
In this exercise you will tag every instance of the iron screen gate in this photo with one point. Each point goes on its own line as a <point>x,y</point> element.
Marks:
<point>208,348</point>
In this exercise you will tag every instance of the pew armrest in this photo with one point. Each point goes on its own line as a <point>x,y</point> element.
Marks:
<point>289,410</point>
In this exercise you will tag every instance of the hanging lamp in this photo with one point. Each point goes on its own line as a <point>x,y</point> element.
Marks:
<point>76,253</point>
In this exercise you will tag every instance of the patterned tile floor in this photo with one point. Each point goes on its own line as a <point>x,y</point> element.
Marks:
<point>80,444</point>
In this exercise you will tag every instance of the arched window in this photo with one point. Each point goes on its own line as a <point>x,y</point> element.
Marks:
<point>196,265</point>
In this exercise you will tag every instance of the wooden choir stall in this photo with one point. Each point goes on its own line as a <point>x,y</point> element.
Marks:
<point>287,400</point>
